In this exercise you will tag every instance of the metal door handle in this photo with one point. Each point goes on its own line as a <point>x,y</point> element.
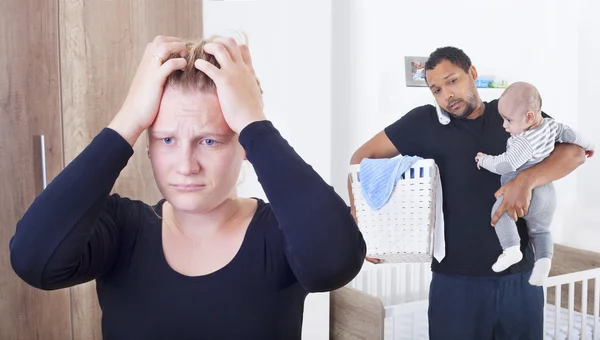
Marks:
<point>40,142</point>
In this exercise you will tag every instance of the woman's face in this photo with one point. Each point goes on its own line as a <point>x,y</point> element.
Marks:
<point>195,156</point>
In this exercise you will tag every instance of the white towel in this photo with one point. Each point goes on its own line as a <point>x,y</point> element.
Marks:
<point>378,177</point>
<point>439,241</point>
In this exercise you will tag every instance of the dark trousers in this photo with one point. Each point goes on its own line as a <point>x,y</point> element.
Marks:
<point>472,308</point>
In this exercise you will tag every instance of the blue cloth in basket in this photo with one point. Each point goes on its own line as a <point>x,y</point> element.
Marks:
<point>378,177</point>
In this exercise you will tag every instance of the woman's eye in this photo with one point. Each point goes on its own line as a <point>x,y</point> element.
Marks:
<point>209,142</point>
<point>167,140</point>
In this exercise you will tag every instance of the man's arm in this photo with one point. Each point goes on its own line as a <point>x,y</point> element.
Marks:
<point>517,193</point>
<point>380,146</point>
<point>404,136</point>
<point>562,161</point>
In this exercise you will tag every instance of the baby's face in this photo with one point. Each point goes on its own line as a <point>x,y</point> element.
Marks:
<point>515,118</point>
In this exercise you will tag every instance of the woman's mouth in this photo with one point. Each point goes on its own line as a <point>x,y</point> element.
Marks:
<point>187,187</point>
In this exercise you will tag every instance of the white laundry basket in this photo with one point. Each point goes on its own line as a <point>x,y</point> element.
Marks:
<point>401,230</point>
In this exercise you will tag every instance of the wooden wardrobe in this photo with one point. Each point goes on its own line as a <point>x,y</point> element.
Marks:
<point>65,68</point>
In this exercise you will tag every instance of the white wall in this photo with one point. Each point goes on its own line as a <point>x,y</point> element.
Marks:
<point>290,42</point>
<point>582,228</point>
<point>534,41</point>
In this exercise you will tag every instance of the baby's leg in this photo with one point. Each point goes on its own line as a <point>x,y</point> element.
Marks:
<point>507,232</point>
<point>539,218</point>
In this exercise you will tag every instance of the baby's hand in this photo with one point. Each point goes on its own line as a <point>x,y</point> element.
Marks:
<point>479,156</point>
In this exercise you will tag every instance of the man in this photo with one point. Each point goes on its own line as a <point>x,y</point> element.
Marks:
<point>468,300</point>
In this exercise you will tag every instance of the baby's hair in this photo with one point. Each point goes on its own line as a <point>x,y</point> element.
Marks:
<point>190,78</point>
<point>524,96</point>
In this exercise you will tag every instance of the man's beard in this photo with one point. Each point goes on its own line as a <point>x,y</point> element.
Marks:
<point>470,106</point>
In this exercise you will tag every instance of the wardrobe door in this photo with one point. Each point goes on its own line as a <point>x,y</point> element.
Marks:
<point>30,154</point>
<point>101,45</point>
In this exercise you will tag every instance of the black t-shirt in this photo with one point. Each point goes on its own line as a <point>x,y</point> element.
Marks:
<point>468,193</point>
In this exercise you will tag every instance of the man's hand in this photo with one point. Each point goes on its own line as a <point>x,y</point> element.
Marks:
<point>516,196</point>
<point>373,260</point>
<point>369,259</point>
<point>589,153</point>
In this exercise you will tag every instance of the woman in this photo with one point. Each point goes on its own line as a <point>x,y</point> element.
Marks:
<point>202,263</point>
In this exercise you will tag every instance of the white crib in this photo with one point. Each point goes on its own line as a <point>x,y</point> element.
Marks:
<point>389,302</point>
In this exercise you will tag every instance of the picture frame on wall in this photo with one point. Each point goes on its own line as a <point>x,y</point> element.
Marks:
<point>415,71</point>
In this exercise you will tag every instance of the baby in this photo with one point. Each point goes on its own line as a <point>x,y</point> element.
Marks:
<point>532,139</point>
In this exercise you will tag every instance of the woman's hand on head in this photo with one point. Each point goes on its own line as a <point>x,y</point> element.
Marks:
<point>143,99</point>
<point>237,88</point>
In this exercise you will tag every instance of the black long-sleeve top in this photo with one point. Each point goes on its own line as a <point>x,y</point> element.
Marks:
<point>304,240</point>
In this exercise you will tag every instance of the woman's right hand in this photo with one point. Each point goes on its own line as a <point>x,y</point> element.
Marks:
<point>143,99</point>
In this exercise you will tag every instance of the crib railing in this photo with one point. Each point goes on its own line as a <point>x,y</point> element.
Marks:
<point>398,283</point>
<point>570,280</point>
<point>395,283</point>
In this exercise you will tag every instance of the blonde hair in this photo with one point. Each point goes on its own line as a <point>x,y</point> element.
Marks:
<point>190,78</point>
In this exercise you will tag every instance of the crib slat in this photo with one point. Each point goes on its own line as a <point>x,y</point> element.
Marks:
<point>557,303</point>
<point>596,334</point>
<point>584,290</point>
<point>571,309</point>
<point>404,276</point>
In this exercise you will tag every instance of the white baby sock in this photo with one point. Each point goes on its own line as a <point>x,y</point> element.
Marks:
<point>541,270</point>
<point>509,257</point>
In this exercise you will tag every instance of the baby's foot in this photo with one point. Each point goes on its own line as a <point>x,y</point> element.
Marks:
<point>541,270</point>
<point>509,257</point>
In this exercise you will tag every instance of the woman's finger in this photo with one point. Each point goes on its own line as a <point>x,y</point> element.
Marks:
<point>246,57</point>
<point>164,38</point>
<point>209,69</point>
<point>171,65</point>
<point>163,51</point>
<point>232,47</point>
<point>220,52</point>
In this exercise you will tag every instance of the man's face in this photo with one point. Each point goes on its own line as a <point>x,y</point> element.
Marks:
<point>453,89</point>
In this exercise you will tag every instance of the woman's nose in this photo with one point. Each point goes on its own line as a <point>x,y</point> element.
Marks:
<point>188,164</point>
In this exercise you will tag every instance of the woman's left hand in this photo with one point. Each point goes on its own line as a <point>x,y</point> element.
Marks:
<point>237,88</point>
